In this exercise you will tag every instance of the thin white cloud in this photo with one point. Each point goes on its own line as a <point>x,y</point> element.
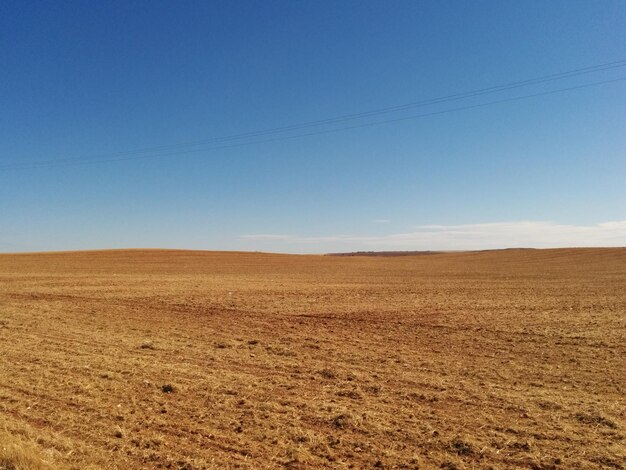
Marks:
<point>268,236</point>
<point>528,234</point>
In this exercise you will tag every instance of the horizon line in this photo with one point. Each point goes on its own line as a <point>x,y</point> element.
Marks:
<point>337,254</point>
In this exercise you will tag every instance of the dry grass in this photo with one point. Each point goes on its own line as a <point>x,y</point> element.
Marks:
<point>175,359</point>
<point>18,454</point>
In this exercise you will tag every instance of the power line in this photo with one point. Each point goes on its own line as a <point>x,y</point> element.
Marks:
<point>347,117</point>
<point>355,116</point>
<point>390,109</point>
<point>59,163</point>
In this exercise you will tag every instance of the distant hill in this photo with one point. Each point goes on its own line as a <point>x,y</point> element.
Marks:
<point>387,253</point>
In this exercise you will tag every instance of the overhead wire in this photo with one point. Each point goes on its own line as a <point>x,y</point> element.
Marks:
<point>171,150</point>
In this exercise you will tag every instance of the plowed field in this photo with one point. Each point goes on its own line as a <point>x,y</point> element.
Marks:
<point>187,360</point>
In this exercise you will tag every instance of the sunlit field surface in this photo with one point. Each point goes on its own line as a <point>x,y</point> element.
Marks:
<point>191,360</point>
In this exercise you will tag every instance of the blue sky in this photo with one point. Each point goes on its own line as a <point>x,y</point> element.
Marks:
<point>88,79</point>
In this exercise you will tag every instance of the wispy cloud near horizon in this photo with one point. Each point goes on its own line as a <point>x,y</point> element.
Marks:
<point>529,234</point>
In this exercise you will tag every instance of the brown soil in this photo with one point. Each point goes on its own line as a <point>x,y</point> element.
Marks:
<point>186,360</point>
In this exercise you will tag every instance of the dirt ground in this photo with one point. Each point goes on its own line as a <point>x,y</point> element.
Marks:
<point>190,360</point>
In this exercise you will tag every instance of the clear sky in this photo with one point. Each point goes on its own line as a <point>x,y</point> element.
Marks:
<point>91,79</point>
